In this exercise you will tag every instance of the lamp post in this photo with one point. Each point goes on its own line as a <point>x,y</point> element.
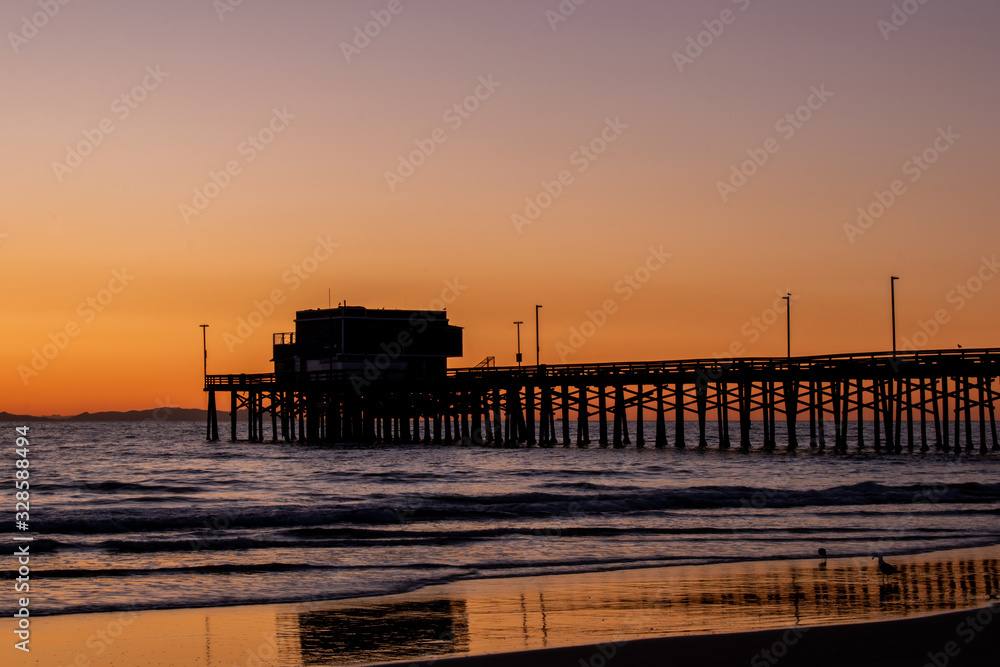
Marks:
<point>892,290</point>
<point>538,347</point>
<point>204,347</point>
<point>518,325</point>
<point>788,322</point>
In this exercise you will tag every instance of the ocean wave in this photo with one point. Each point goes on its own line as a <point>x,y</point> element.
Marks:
<point>353,539</point>
<point>525,505</point>
<point>116,487</point>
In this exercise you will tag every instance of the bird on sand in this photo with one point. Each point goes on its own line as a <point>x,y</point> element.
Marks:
<point>886,569</point>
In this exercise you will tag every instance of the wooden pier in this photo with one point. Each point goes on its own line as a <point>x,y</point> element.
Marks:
<point>940,400</point>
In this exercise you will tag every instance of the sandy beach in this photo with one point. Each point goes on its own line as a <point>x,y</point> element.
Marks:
<point>759,613</point>
<point>939,640</point>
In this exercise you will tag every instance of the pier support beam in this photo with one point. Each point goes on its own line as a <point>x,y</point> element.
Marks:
<point>791,391</point>
<point>661,420</point>
<point>679,416</point>
<point>837,417</point>
<point>619,418</point>
<point>861,414</point>
<point>722,413</point>
<point>745,401</point>
<point>582,418</point>
<point>564,405</point>
<point>944,414</point>
<point>768,398</point>
<point>233,411</point>
<point>529,412</point>
<point>812,415</point>
<point>602,416</point>
<point>701,398</point>
<point>982,416</point>
<point>993,422</point>
<point>640,399</point>
<point>967,396</point>
<point>924,446</point>
<point>213,419</point>
<point>477,406</point>
<point>274,417</point>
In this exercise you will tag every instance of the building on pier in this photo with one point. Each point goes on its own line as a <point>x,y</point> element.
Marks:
<point>353,339</point>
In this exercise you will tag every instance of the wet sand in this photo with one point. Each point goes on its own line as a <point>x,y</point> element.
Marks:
<point>841,612</point>
<point>938,640</point>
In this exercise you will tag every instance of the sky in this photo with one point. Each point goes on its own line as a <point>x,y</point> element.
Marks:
<point>656,175</point>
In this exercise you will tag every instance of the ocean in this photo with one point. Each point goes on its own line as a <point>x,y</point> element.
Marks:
<point>151,516</point>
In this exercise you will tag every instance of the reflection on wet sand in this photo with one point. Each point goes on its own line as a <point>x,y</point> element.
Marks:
<point>514,614</point>
<point>488,616</point>
<point>380,631</point>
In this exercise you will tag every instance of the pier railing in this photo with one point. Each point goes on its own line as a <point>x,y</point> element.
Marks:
<point>899,362</point>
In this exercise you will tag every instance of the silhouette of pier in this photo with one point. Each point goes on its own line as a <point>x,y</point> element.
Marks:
<point>941,400</point>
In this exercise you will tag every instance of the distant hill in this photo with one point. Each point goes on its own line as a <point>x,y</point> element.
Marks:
<point>7,417</point>
<point>156,415</point>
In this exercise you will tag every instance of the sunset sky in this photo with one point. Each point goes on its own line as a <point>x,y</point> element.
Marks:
<point>171,164</point>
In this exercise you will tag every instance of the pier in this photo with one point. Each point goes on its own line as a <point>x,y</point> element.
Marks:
<point>935,400</point>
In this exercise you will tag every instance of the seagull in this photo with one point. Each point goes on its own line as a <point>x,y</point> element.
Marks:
<point>886,569</point>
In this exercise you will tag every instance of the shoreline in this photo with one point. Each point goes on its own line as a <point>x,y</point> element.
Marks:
<point>967,637</point>
<point>628,566</point>
<point>685,606</point>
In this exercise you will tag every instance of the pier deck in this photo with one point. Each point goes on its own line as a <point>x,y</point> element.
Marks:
<point>938,399</point>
